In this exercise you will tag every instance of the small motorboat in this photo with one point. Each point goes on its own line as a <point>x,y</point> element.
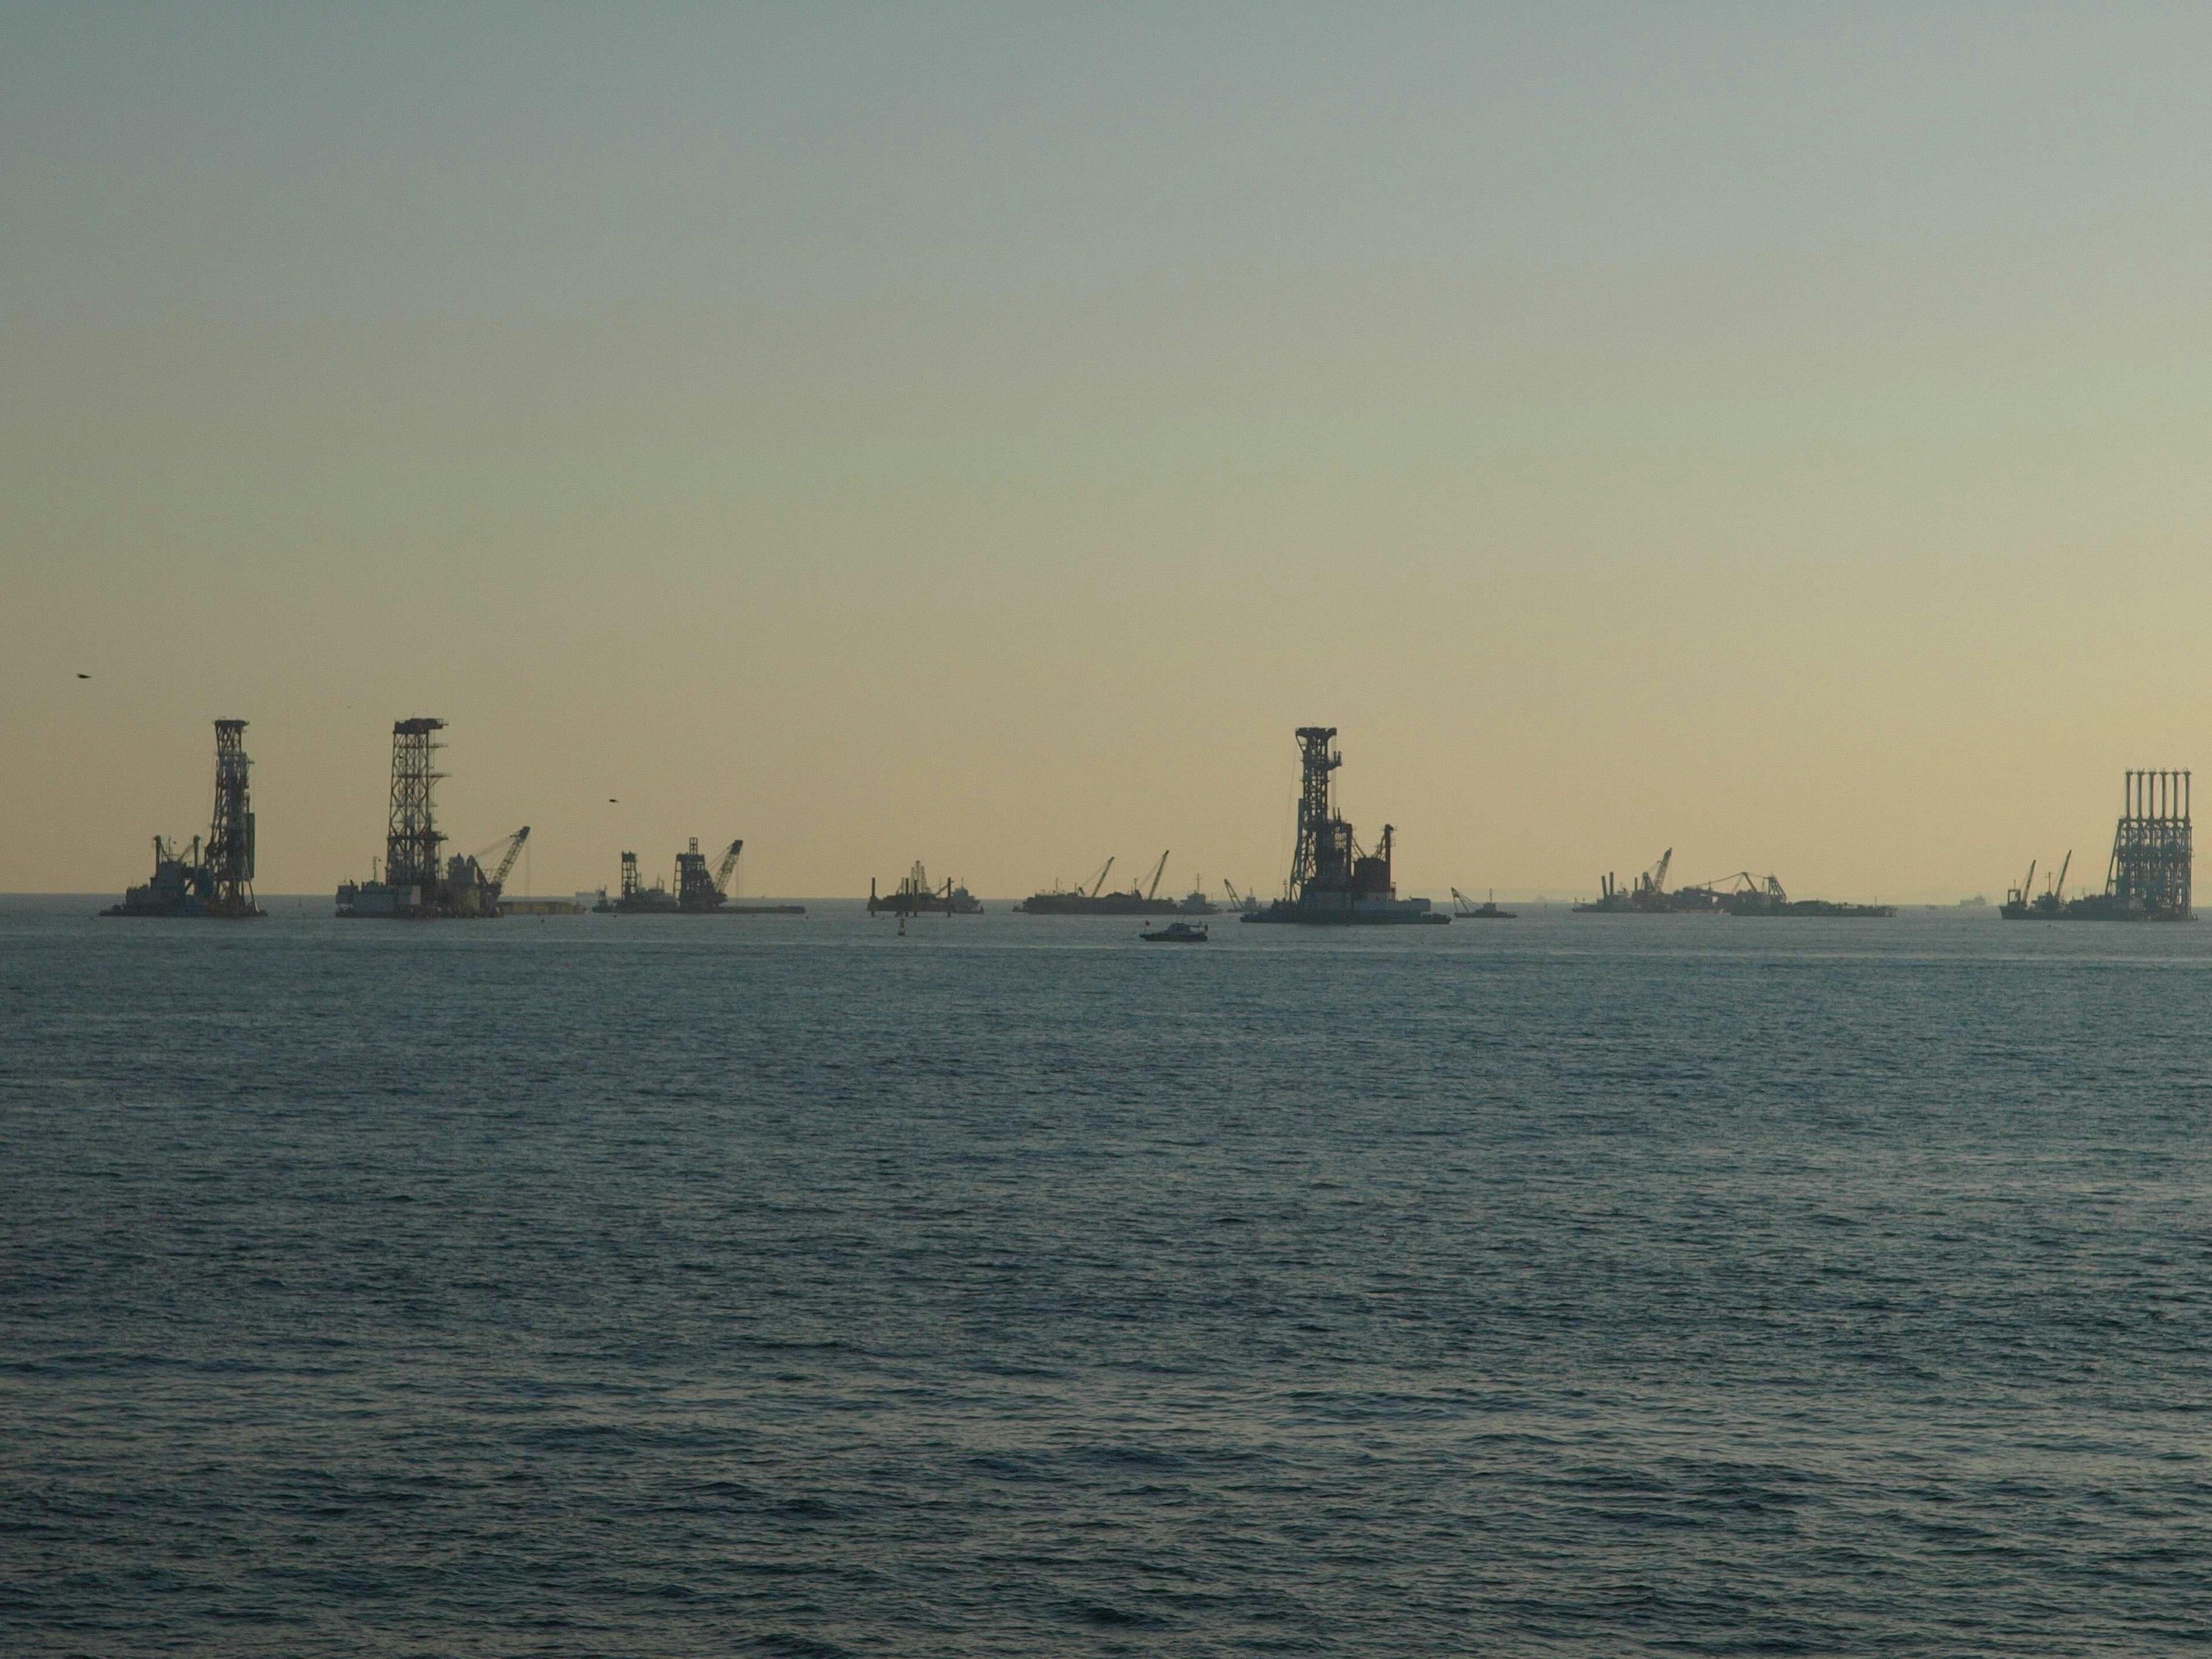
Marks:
<point>1175,933</point>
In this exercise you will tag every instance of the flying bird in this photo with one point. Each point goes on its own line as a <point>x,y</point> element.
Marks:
<point>84,676</point>
<point>612,801</point>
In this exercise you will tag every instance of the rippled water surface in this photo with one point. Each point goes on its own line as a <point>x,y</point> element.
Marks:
<point>653,1285</point>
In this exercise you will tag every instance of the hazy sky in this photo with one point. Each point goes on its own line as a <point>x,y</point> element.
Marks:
<point>982,435</point>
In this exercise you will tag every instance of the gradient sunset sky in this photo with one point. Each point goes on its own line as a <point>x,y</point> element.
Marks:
<point>1784,433</point>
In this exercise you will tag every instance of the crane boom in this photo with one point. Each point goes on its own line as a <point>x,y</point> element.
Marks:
<point>1099,885</point>
<point>1659,874</point>
<point>1158,870</point>
<point>507,859</point>
<point>729,864</point>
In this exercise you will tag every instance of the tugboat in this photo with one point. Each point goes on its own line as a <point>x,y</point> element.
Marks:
<point>1196,902</point>
<point>1175,933</point>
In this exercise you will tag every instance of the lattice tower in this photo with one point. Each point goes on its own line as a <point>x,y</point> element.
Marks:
<point>2152,855</point>
<point>1317,817</point>
<point>230,835</point>
<point>412,841</point>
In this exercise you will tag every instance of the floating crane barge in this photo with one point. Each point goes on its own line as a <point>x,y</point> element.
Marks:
<point>1095,900</point>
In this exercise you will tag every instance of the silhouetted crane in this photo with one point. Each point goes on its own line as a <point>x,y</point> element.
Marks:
<point>1157,870</point>
<point>497,878</point>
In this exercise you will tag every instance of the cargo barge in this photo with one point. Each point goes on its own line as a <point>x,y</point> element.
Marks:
<point>1095,901</point>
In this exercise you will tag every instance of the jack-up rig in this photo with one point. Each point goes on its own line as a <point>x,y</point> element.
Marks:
<point>915,897</point>
<point>416,883</point>
<point>216,881</point>
<point>2149,877</point>
<point>1332,881</point>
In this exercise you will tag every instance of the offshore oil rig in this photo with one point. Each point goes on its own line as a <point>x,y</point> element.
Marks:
<point>417,883</point>
<point>216,881</point>
<point>1332,881</point>
<point>2148,877</point>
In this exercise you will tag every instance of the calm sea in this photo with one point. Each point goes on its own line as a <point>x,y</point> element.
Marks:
<point>752,1286</point>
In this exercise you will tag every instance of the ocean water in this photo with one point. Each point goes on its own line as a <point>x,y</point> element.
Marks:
<point>663,1286</point>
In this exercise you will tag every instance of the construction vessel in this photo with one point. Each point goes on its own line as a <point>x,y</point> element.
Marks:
<point>1196,902</point>
<point>1095,901</point>
<point>698,893</point>
<point>416,882</point>
<point>1645,897</point>
<point>1466,909</point>
<point>636,898</point>
<point>1746,894</point>
<point>1244,903</point>
<point>915,897</point>
<point>2149,879</point>
<point>1740,894</point>
<point>1333,883</point>
<point>215,880</point>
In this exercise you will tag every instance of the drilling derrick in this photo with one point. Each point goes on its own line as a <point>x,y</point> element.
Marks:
<point>695,883</point>
<point>411,840</point>
<point>1332,882</point>
<point>417,882</point>
<point>217,880</point>
<point>2151,852</point>
<point>230,835</point>
<point>638,899</point>
<point>1324,840</point>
